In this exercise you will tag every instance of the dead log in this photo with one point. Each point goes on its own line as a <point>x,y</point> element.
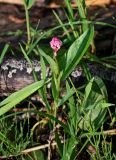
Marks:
<point>17,73</point>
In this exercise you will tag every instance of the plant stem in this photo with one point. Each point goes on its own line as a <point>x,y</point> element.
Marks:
<point>55,113</point>
<point>27,25</point>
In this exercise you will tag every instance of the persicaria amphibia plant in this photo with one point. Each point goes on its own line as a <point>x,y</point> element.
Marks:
<point>55,44</point>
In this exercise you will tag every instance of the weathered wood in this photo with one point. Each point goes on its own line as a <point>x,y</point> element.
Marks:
<point>16,74</point>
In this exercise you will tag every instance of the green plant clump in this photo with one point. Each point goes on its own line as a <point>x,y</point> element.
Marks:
<point>75,115</point>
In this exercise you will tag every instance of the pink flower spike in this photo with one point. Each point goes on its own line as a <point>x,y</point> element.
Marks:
<point>55,44</point>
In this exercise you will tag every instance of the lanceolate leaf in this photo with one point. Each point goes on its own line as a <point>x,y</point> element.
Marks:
<point>69,148</point>
<point>95,104</point>
<point>77,50</point>
<point>17,97</point>
<point>66,97</point>
<point>2,54</point>
<point>52,63</point>
<point>59,144</point>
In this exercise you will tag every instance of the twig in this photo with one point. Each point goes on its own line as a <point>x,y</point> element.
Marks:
<point>106,133</point>
<point>26,151</point>
<point>110,132</point>
<point>38,148</point>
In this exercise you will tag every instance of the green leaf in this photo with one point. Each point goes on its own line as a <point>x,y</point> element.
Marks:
<point>66,97</point>
<point>86,71</point>
<point>55,90</point>
<point>94,105</point>
<point>88,88</point>
<point>37,155</point>
<point>70,146</point>
<point>26,56</point>
<point>70,9</point>
<point>69,13</point>
<point>77,50</point>
<point>29,3</point>
<point>106,105</point>
<point>95,93</point>
<point>82,13</point>
<point>3,52</point>
<point>73,109</point>
<point>59,144</point>
<point>43,67</point>
<point>42,91</point>
<point>18,96</point>
<point>52,63</point>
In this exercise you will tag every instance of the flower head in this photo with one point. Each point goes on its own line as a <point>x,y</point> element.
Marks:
<point>55,44</point>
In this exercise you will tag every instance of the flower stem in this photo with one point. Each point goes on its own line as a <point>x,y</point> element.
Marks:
<point>27,25</point>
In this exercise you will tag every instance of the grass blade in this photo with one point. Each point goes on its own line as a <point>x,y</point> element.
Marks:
<point>52,63</point>
<point>17,97</point>
<point>3,52</point>
<point>77,51</point>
